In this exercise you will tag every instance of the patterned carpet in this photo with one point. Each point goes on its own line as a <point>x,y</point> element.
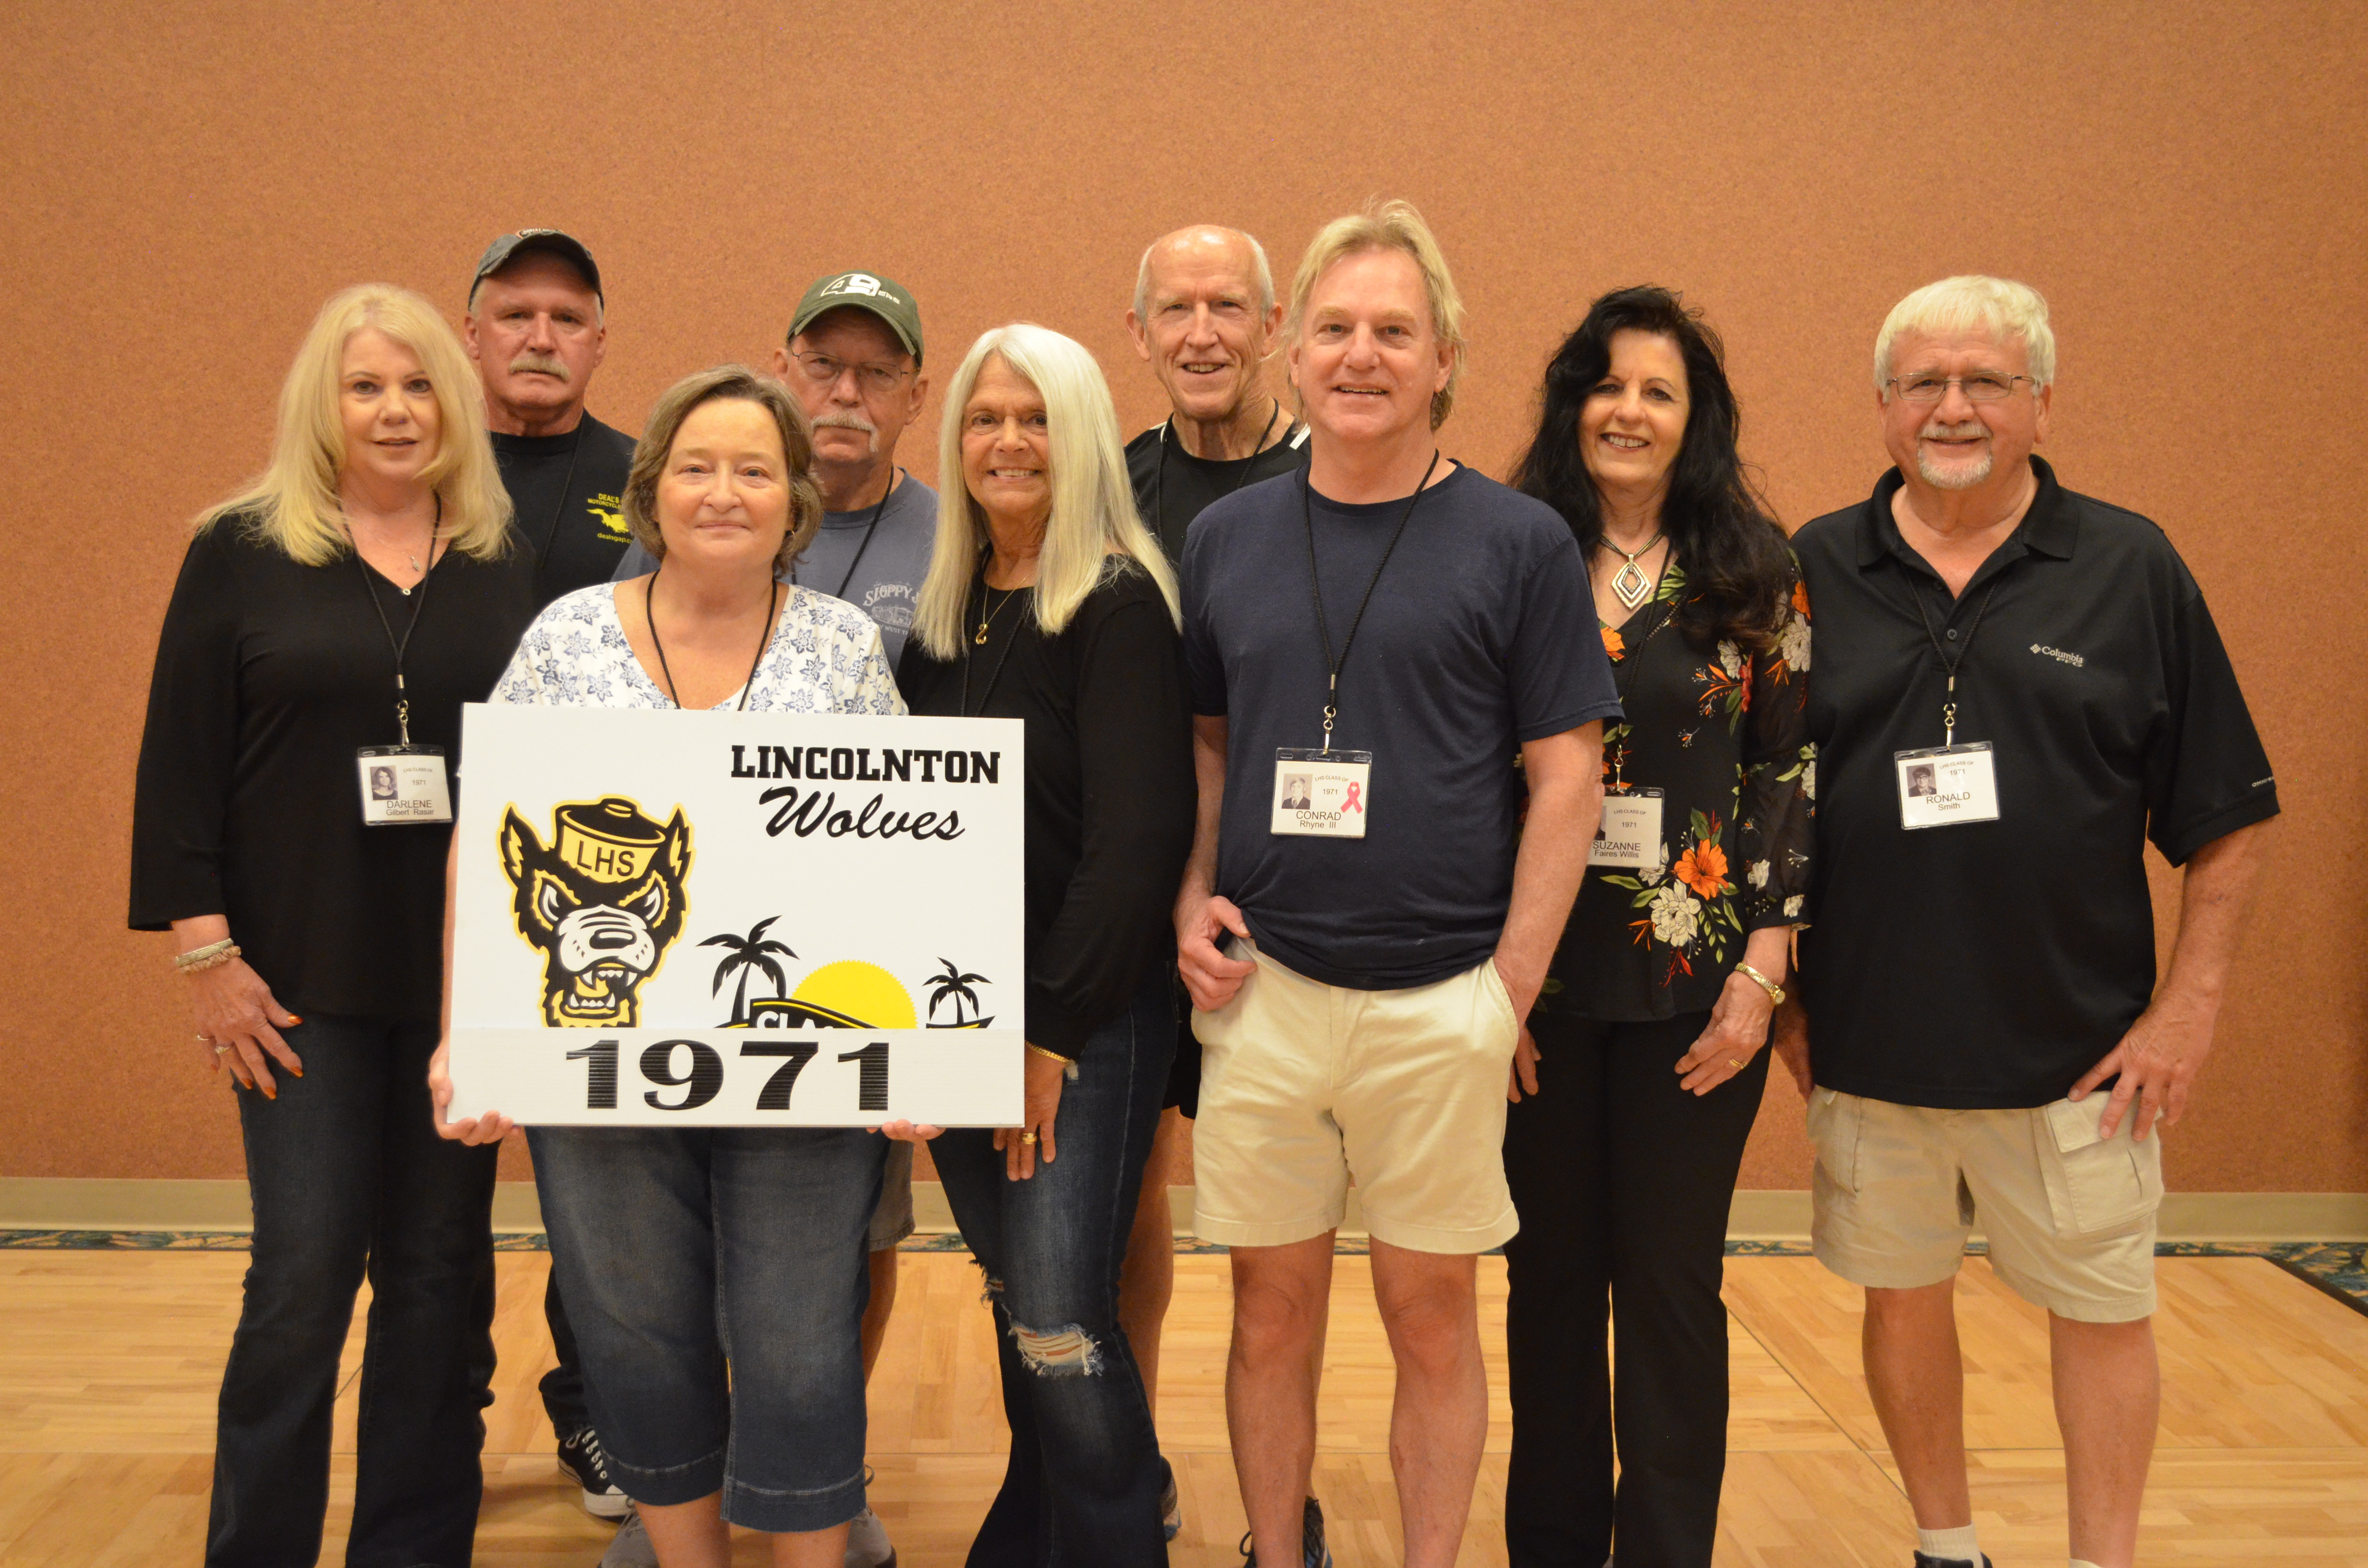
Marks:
<point>2338,1268</point>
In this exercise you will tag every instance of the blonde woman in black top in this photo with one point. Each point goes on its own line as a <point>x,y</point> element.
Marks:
<point>296,853</point>
<point>1630,1118</point>
<point>1048,601</point>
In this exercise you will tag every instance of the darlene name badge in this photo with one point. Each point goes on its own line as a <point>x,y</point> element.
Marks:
<point>402,785</point>
<point>1629,836</point>
<point>1947,785</point>
<point>1322,792</point>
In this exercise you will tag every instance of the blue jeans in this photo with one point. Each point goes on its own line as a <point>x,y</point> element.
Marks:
<point>348,1177</point>
<point>1082,1488</point>
<point>717,1279</point>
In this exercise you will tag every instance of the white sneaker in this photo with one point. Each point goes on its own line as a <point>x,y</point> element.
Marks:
<point>633,1547</point>
<point>867,1542</point>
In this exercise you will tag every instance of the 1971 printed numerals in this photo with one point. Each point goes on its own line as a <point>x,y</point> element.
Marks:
<point>702,1080</point>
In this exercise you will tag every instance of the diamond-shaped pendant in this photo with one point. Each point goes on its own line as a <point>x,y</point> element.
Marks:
<point>1629,586</point>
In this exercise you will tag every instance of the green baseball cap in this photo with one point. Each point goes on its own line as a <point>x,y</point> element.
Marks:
<point>883,297</point>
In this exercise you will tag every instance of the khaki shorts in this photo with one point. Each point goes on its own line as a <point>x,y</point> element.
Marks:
<point>1304,1085</point>
<point>2070,1216</point>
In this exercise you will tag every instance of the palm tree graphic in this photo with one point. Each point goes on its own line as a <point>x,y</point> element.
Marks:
<point>752,954</point>
<point>950,982</point>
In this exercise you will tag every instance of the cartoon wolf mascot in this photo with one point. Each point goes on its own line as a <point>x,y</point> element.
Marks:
<point>603,903</point>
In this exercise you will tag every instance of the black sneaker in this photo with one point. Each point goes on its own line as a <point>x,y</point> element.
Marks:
<point>1925,1561</point>
<point>580,1456</point>
<point>1171,1512</point>
<point>1312,1552</point>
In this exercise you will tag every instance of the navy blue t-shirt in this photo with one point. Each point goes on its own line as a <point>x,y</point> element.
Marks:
<point>1481,635</point>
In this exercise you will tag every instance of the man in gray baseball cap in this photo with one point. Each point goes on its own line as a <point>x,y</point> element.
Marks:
<point>537,327</point>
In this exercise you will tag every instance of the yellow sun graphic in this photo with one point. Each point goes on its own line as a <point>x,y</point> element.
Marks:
<point>854,995</point>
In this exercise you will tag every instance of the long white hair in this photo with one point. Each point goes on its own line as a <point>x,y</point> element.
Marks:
<point>293,502</point>
<point>1094,529</point>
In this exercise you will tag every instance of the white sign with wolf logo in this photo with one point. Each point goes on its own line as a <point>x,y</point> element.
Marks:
<point>738,919</point>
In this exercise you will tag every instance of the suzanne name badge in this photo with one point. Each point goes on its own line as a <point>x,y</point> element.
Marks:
<point>402,785</point>
<point>1946,785</point>
<point>1321,792</point>
<point>1629,836</point>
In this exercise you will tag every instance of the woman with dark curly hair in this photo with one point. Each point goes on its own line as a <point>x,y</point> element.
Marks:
<point>1631,1110</point>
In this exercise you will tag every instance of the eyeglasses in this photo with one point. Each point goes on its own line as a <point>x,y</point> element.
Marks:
<point>1981,388</point>
<point>822,371</point>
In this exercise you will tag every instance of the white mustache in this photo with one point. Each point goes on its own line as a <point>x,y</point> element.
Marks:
<point>534,359</point>
<point>1963,429</point>
<point>846,420</point>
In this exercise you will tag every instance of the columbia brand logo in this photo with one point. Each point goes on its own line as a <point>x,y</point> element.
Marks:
<point>2060,655</point>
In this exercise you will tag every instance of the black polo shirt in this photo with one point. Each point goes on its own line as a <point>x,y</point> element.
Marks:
<point>1990,964</point>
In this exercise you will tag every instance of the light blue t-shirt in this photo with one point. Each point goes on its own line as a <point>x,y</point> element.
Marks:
<point>885,582</point>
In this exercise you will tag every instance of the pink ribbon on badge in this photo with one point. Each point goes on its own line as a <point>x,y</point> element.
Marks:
<point>1350,804</point>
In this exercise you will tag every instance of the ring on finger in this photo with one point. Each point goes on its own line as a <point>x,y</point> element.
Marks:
<point>1027,1138</point>
<point>221,1049</point>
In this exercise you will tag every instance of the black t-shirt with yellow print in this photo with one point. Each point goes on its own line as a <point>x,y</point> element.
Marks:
<point>570,496</point>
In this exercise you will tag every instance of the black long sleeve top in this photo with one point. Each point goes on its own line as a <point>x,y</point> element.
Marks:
<point>270,676</point>
<point>1111,791</point>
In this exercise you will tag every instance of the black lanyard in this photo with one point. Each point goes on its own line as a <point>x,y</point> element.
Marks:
<point>1949,705</point>
<point>567,482</point>
<point>1001,659</point>
<point>764,639</point>
<point>418,602</point>
<point>1159,464</point>
<point>1315,587</point>
<point>869,528</point>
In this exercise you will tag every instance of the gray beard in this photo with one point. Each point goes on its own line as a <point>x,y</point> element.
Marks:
<point>1941,478</point>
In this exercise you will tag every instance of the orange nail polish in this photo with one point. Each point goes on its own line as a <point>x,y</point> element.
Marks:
<point>271,1094</point>
<point>293,1020</point>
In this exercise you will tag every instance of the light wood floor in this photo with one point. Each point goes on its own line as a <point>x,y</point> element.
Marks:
<point>109,1363</point>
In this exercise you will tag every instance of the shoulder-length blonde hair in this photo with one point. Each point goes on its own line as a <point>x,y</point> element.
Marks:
<point>1094,530</point>
<point>293,502</point>
<point>742,384</point>
<point>1388,225</point>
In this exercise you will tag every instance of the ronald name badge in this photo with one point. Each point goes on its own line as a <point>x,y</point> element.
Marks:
<point>1323,793</point>
<point>1947,785</point>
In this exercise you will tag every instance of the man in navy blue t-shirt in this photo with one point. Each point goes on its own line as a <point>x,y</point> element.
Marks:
<point>1370,645</point>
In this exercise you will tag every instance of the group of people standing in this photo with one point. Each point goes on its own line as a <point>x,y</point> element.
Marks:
<point>1468,841</point>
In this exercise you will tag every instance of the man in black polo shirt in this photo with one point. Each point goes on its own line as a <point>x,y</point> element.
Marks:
<point>1204,318</point>
<point>536,329</point>
<point>2017,688</point>
<point>1386,631</point>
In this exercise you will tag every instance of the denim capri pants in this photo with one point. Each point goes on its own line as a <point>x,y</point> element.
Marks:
<point>716,1279</point>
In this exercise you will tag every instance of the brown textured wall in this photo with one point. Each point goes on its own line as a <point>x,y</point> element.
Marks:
<point>2182,179</point>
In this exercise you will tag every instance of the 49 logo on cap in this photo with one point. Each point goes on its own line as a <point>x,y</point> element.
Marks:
<point>602,903</point>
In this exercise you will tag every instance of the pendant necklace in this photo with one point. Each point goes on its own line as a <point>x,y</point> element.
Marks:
<point>1629,584</point>
<point>985,616</point>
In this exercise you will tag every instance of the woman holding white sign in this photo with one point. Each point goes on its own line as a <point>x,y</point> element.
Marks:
<point>1047,601</point>
<point>291,826</point>
<point>715,1275</point>
<point>1631,1110</point>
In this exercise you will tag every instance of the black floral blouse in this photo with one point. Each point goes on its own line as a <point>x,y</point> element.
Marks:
<point>1725,738</point>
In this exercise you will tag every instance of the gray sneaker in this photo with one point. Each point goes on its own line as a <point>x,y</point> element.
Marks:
<point>867,1542</point>
<point>1171,1511</point>
<point>1313,1552</point>
<point>632,1546</point>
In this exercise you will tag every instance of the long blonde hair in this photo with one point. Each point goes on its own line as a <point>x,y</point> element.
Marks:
<point>1094,529</point>
<point>293,502</point>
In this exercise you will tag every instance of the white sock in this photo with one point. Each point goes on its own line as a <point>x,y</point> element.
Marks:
<point>1957,1545</point>
<point>2082,1562</point>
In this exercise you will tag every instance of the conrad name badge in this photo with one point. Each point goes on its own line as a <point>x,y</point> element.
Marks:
<point>403,784</point>
<point>1947,785</point>
<point>1629,836</point>
<point>1322,792</point>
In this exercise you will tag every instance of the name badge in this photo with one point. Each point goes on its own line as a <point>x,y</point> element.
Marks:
<point>1947,785</point>
<point>1322,792</point>
<point>403,785</point>
<point>1629,836</point>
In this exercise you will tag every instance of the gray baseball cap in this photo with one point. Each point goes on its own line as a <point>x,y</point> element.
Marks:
<point>883,297</point>
<point>509,248</point>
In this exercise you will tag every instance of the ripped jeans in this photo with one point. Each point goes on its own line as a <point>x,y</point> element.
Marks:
<point>1082,1489</point>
